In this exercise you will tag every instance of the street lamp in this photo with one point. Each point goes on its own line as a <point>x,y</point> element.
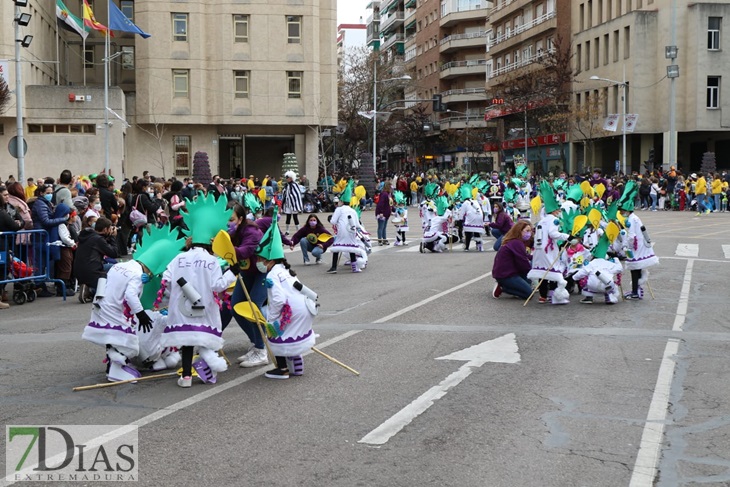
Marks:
<point>375,110</point>
<point>623,86</point>
<point>20,19</point>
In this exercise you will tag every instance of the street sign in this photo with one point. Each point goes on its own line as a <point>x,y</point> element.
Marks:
<point>13,147</point>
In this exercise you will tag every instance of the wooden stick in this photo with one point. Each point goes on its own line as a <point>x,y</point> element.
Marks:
<point>543,277</point>
<point>650,291</point>
<point>264,337</point>
<point>335,361</point>
<point>112,384</point>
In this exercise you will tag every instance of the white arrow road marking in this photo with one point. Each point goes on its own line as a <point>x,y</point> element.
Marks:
<point>502,350</point>
<point>687,250</point>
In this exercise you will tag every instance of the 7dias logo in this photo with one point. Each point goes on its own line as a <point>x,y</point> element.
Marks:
<point>71,453</point>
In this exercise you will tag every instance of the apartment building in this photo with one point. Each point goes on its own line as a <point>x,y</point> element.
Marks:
<point>626,40</point>
<point>522,32</point>
<point>245,83</point>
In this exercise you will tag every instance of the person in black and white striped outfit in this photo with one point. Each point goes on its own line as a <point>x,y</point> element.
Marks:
<point>292,195</point>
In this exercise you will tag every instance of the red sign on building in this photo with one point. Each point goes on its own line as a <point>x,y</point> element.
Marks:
<point>551,139</point>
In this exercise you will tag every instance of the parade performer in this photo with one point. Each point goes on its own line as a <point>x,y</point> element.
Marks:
<point>636,244</point>
<point>346,225</point>
<point>437,237</point>
<point>292,196</point>
<point>496,189</point>
<point>193,278</point>
<point>400,220</point>
<point>473,218</point>
<point>545,262</point>
<point>574,257</point>
<point>289,316</point>
<point>599,275</point>
<point>312,237</point>
<point>117,313</point>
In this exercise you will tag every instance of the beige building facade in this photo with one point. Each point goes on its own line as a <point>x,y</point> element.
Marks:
<point>244,82</point>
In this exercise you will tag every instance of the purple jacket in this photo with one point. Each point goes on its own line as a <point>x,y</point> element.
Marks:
<point>511,260</point>
<point>383,206</point>
<point>502,222</point>
<point>248,238</point>
<point>306,230</point>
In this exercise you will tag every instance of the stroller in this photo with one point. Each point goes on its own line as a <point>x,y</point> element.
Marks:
<point>23,290</point>
<point>310,203</point>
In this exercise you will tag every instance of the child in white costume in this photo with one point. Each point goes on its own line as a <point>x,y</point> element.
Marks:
<point>473,218</point>
<point>436,237</point>
<point>600,275</point>
<point>193,278</point>
<point>545,263</point>
<point>289,316</point>
<point>346,225</point>
<point>118,313</point>
<point>400,219</point>
<point>635,244</point>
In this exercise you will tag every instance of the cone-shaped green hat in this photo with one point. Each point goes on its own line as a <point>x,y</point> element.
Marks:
<point>205,217</point>
<point>601,248</point>
<point>270,247</point>
<point>548,197</point>
<point>626,201</point>
<point>575,193</point>
<point>158,248</point>
<point>346,195</point>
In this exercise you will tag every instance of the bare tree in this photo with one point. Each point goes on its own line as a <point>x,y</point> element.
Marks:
<point>156,132</point>
<point>4,95</point>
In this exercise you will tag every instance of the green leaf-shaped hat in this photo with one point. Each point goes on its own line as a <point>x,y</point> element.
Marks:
<point>548,197</point>
<point>626,201</point>
<point>465,191</point>
<point>601,248</point>
<point>431,190</point>
<point>399,197</point>
<point>521,171</point>
<point>252,203</point>
<point>158,248</point>
<point>510,195</point>
<point>346,195</point>
<point>442,204</point>
<point>205,217</point>
<point>270,247</point>
<point>575,193</point>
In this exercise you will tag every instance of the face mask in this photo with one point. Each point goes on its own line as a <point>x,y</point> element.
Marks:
<point>97,207</point>
<point>526,236</point>
<point>312,224</point>
<point>190,186</point>
<point>261,267</point>
<point>145,278</point>
<point>48,197</point>
<point>92,225</point>
<point>494,178</point>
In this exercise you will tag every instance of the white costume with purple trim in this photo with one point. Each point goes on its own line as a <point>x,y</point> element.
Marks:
<point>639,255</point>
<point>547,234</point>
<point>287,311</point>
<point>347,223</point>
<point>473,217</point>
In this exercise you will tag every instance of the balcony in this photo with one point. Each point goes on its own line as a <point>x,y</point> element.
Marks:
<point>372,4</point>
<point>463,68</point>
<point>373,18</point>
<point>462,121</point>
<point>464,95</point>
<point>518,64</point>
<point>505,8</point>
<point>393,39</point>
<point>517,32</point>
<point>452,17</point>
<point>392,19</point>
<point>461,41</point>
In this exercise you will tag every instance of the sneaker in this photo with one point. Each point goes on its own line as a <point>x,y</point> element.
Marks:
<point>332,271</point>
<point>44,293</point>
<point>542,300</point>
<point>185,381</point>
<point>258,357</point>
<point>397,243</point>
<point>4,305</point>
<point>420,247</point>
<point>306,262</point>
<point>497,291</point>
<point>318,261</point>
<point>629,296</point>
<point>246,355</point>
<point>587,300</point>
<point>277,374</point>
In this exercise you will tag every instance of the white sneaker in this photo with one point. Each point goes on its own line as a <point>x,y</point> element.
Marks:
<point>185,381</point>
<point>258,357</point>
<point>246,355</point>
<point>4,305</point>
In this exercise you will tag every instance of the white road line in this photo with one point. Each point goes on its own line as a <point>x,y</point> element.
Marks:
<point>432,298</point>
<point>681,314</point>
<point>726,251</point>
<point>647,460</point>
<point>687,250</point>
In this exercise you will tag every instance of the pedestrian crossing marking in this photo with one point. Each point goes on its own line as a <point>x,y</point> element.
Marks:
<point>689,250</point>
<point>726,251</point>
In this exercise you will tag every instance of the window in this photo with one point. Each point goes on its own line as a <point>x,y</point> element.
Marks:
<point>605,49</point>
<point>294,83</point>
<point>578,57</point>
<point>597,51</point>
<point>240,83</point>
<point>588,55</point>
<point>127,57</point>
<point>240,28</point>
<point>179,27</point>
<point>589,14</point>
<point>609,9</point>
<point>89,129</point>
<point>577,99</point>
<point>615,46</point>
<point>627,42</point>
<point>581,17</point>
<point>600,12</point>
<point>127,8</point>
<point>713,33</point>
<point>615,98</point>
<point>182,154</point>
<point>713,92</point>
<point>181,83</point>
<point>294,29</point>
<point>89,57</point>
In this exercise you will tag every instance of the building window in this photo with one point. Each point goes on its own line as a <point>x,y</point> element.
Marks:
<point>609,9</point>
<point>597,52</point>
<point>88,129</point>
<point>182,155</point>
<point>127,57</point>
<point>89,57</point>
<point>589,14</point>
<point>615,46</point>
<point>240,82</point>
<point>578,57</point>
<point>179,27</point>
<point>577,100</point>
<point>713,33</point>
<point>294,83</point>
<point>713,92</point>
<point>588,55</point>
<point>181,83</point>
<point>294,28</point>
<point>127,8</point>
<point>605,49</point>
<point>240,28</point>
<point>627,42</point>
<point>581,17</point>
<point>600,12</point>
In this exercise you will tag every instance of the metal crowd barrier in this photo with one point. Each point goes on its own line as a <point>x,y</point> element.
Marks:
<point>25,263</point>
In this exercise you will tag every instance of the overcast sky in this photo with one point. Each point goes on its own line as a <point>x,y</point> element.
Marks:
<point>350,11</point>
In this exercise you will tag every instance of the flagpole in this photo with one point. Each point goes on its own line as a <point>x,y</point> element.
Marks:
<point>58,58</point>
<point>106,103</point>
<point>83,59</point>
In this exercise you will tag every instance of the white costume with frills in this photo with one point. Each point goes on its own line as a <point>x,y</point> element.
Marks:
<point>473,217</point>
<point>640,255</point>
<point>288,312</point>
<point>347,224</point>
<point>547,234</point>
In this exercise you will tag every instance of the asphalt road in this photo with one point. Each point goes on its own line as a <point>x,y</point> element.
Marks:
<point>592,396</point>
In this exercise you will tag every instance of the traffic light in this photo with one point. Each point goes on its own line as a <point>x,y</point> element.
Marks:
<point>437,105</point>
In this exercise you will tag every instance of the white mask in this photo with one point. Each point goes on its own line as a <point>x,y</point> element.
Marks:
<point>261,267</point>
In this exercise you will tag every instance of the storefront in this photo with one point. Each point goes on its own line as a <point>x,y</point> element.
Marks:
<point>545,153</point>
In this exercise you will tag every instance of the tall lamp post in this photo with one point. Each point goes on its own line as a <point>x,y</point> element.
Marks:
<point>375,110</point>
<point>21,19</point>
<point>623,86</point>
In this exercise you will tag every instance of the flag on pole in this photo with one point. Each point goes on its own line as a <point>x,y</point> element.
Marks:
<point>119,21</point>
<point>90,21</point>
<point>611,123</point>
<point>68,21</point>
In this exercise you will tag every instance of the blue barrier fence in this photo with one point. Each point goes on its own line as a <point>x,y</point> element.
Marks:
<point>25,261</point>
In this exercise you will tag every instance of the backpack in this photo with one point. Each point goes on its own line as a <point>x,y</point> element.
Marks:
<point>55,192</point>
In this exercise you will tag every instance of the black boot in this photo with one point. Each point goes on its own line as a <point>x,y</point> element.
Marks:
<point>335,260</point>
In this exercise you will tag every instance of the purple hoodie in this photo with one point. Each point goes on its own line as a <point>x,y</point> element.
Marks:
<point>511,260</point>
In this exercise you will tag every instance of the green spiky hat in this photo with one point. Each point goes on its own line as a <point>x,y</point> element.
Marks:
<point>575,193</point>
<point>510,195</point>
<point>399,197</point>
<point>560,184</point>
<point>465,191</point>
<point>626,201</point>
<point>270,247</point>
<point>482,186</point>
<point>346,195</point>
<point>567,218</point>
<point>441,205</point>
<point>548,197</point>
<point>521,171</point>
<point>158,248</point>
<point>205,217</point>
<point>252,203</point>
<point>431,190</point>
<point>473,180</point>
<point>601,248</point>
